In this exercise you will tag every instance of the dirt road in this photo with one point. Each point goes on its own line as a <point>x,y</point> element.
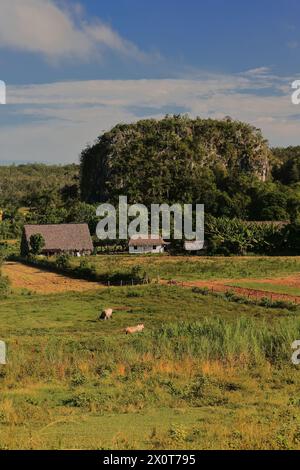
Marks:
<point>43,282</point>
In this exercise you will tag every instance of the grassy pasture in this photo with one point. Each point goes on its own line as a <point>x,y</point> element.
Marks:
<point>206,373</point>
<point>195,267</point>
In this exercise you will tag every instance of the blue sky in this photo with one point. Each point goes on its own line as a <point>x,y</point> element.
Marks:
<point>73,69</point>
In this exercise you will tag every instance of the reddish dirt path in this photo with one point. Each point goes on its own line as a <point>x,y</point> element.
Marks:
<point>43,282</point>
<point>255,294</point>
<point>290,281</point>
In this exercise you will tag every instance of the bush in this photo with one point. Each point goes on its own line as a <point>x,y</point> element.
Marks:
<point>237,237</point>
<point>86,270</point>
<point>63,261</point>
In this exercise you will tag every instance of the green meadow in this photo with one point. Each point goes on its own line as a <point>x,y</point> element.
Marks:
<point>206,373</point>
<point>195,267</point>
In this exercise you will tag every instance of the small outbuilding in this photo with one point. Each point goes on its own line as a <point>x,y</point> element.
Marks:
<point>72,239</point>
<point>194,246</point>
<point>146,244</point>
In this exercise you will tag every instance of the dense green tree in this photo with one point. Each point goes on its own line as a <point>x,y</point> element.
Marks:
<point>83,213</point>
<point>37,243</point>
<point>286,168</point>
<point>269,201</point>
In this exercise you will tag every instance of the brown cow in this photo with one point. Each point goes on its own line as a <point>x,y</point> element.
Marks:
<point>106,314</point>
<point>134,329</point>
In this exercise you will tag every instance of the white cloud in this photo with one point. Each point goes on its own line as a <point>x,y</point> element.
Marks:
<point>144,92</point>
<point>44,27</point>
<point>257,71</point>
<point>59,119</point>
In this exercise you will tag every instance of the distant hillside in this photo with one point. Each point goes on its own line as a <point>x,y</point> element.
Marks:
<point>168,160</point>
<point>23,184</point>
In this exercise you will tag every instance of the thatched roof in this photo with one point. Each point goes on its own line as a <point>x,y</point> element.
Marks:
<point>146,241</point>
<point>63,237</point>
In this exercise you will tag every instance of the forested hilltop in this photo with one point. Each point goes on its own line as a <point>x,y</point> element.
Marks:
<point>176,159</point>
<point>226,165</point>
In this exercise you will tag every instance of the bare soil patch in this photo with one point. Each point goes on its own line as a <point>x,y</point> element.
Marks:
<point>290,281</point>
<point>43,282</point>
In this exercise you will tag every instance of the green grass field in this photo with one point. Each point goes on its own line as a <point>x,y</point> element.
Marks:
<point>205,374</point>
<point>193,267</point>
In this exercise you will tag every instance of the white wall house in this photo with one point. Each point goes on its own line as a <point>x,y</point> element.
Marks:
<point>195,245</point>
<point>146,244</point>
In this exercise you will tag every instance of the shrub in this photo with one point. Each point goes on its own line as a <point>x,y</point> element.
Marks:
<point>86,270</point>
<point>237,237</point>
<point>63,261</point>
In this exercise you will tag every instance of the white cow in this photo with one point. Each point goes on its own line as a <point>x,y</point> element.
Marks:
<point>2,353</point>
<point>106,314</point>
<point>134,329</point>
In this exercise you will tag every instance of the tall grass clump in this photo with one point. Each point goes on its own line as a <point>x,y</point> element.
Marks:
<point>218,339</point>
<point>4,281</point>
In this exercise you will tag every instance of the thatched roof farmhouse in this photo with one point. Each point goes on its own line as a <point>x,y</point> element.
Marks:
<point>73,239</point>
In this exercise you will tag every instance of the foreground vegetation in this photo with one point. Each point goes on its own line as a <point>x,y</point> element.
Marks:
<point>210,370</point>
<point>206,373</point>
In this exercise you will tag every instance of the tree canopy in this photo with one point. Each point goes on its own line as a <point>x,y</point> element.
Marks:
<point>176,159</point>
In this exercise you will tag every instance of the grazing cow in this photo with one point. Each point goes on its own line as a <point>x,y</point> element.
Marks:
<point>134,329</point>
<point>106,314</point>
<point>2,353</point>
